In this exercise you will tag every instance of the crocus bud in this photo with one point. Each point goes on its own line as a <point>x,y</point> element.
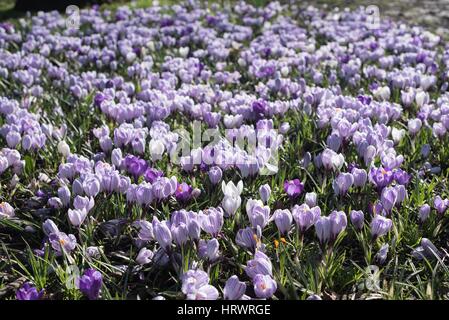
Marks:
<point>342,183</point>
<point>381,255</point>
<point>414,125</point>
<point>283,220</point>
<point>380,226</point>
<point>424,212</point>
<point>389,198</point>
<point>265,192</point>
<point>215,174</point>
<point>64,195</point>
<point>440,205</point>
<point>156,149</point>
<point>63,148</point>
<point>90,283</point>
<point>162,233</point>
<point>49,227</point>
<point>323,229</point>
<point>360,177</point>
<point>339,222</point>
<point>77,217</point>
<point>310,199</point>
<point>357,218</point>
<point>283,129</point>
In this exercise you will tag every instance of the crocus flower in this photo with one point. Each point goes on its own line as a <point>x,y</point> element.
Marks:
<point>151,175</point>
<point>265,192</point>
<point>389,198</point>
<point>305,217</point>
<point>135,166</point>
<point>28,292</point>
<point>64,195</point>
<point>357,218</point>
<point>162,233</point>
<point>260,264</point>
<point>77,217</point>
<point>80,203</point>
<point>264,286</point>
<point>183,192</point>
<point>342,183</point>
<point>215,174</point>
<point>381,177</point>
<point>6,210</point>
<point>440,205</point>
<point>91,186</point>
<point>332,160</point>
<point>211,220</point>
<point>195,285</point>
<point>360,177</point>
<point>310,199</point>
<point>401,177</point>
<point>323,229</point>
<point>283,220</point>
<point>258,214</point>
<point>339,222</point>
<point>145,256</point>
<point>208,249</point>
<point>247,238</point>
<point>90,283</point>
<point>62,242</point>
<point>231,201</point>
<point>293,188</point>
<point>234,288</point>
<point>381,255</point>
<point>426,250</point>
<point>380,226</point>
<point>424,212</point>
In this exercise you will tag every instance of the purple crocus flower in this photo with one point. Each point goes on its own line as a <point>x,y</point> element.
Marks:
<point>234,288</point>
<point>151,175</point>
<point>208,249</point>
<point>215,174</point>
<point>305,217</point>
<point>247,238</point>
<point>265,192</point>
<point>381,177</point>
<point>283,220</point>
<point>162,233</point>
<point>293,188</point>
<point>90,283</point>
<point>62,242</point>
<point>135,166</point>
<point>260,264</point>
<point>211,220</point>
<point>360,177</point>
<point>28,292</point>
<point>339,222</point>
<point>323,229</point>
<point>389,198</point>
<point>357,218</point>
<point>342,183</point>
<point>424,212</point>
<point>380,226</point>
<point>183,192</point>
<point>440,205</point>
<point>264,286</point>
<point>401,177</point>
<point>195,285</point>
